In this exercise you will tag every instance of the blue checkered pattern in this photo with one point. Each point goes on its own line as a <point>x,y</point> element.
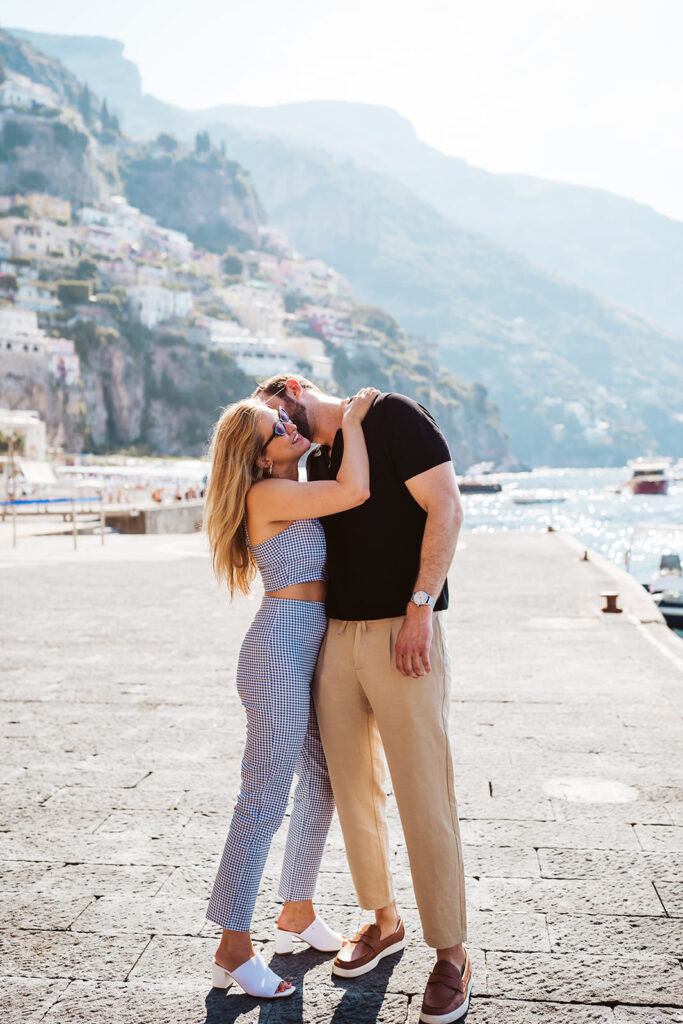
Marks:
<point>296,555</point>
<point>274,674</point>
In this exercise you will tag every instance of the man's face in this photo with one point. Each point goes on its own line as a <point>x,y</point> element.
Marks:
<point>296,409</point>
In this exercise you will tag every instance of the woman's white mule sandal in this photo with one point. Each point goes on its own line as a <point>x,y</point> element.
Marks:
<point>254,976</point>
<point>317,935</point>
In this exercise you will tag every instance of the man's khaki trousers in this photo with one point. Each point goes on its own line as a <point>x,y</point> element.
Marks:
<point>363,704</point>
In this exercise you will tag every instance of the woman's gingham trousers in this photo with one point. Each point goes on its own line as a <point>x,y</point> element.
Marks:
<point>274,674</point>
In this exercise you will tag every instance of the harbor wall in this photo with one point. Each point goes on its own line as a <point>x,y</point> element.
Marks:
<point>183,517</point>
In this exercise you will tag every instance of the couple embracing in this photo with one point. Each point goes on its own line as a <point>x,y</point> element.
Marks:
<point>345,663</point>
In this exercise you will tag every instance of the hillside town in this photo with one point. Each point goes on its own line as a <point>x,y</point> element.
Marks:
<point>266,307</point>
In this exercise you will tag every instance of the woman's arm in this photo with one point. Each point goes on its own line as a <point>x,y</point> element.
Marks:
<point>284,500</point>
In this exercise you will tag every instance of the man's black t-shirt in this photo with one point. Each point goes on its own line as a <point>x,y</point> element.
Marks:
<point>373,551</point>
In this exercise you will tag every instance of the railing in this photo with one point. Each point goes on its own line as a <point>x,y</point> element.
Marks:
<point>12,504</point>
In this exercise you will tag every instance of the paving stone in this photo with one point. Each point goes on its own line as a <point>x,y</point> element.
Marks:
<point>139,1003</point>
<point>501,861</point>
<point>596,933</point>
<point>42,912</point>
<point>671,895</point>
<point>511,810</point>
<point>19,877</point>
<point>101,879</point>
<point>155,824</point>
<point>159,757</point>
<point>25,1000</point>
<point>644,812</point>
<point>65,955</point>
<point>578,896</point>
<point>344,1004</point>
<point>114,799</point>
<point>596,863</point>
<point>176,957</point>
<point>591,835</point>
<point>509,1011</point>
<point>647,1015</point>
<point>116,915</point>
<point>646,979</point>
<point>508,931</point>
<point>408,971</point>
<point>52,819</point>
<point>182,882</point>
<point>660,837</point>
<point>100,848</point>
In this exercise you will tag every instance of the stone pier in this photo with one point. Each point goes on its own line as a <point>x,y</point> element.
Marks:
<point>121,743</point>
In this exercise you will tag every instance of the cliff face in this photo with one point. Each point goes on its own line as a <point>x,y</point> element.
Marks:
<point>20,56</point>
<point>469,421</point>
<point>49,154</point>
<point>186,389</point>
<point>153,391</point>
<point>208,197</point>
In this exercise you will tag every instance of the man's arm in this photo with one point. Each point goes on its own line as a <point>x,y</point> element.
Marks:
<point>436,491</point>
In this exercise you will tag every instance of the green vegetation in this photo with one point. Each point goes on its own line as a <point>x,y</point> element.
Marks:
<point>86,269</point>
<point>70,138</point>
<point>90,339</point>
<point>193,192</point>
<point>215,236</point>
<point>166,142</point>
<point>16,134</point>
<point>18,443</point>
<point>85,105</point>
<point>72,292</point>
<point>33,180</point>
<point>202,142</point>
<point>233,264</point>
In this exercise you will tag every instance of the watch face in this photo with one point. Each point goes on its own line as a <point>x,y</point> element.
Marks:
<point>420,597</point>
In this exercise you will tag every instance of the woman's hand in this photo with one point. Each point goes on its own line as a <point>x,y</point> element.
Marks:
<point>355,408</point>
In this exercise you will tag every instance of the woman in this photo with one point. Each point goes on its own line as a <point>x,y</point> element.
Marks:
<point>259,516</point>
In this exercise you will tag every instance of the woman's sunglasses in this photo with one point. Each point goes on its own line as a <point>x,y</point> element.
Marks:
<point>279,428</point>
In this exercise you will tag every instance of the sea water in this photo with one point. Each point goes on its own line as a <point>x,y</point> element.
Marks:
<point>601,517</point>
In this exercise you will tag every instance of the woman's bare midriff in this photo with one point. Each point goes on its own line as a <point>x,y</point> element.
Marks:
<point>314,591</point>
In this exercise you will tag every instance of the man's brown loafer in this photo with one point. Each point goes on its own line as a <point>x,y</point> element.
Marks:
<point>447,995</point>
<point>374,948</point>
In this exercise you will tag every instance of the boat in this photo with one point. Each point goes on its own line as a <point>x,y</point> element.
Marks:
<point>648,476</point>
<point>666,587</point>
<point>677,471</point>
<point>468,485</point>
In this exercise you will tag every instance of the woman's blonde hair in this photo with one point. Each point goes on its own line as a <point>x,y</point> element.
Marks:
<point>236,444</point>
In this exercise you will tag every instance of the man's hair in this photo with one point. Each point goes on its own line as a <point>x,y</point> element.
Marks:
<point>276,384</point>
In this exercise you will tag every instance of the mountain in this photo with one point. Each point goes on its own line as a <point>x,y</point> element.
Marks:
<point>578,378</point>
<point>154,389</point>
<point>603,242</point>
<point>538,344</point>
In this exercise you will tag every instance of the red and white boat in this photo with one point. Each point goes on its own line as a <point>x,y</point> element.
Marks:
<point>648,476</point>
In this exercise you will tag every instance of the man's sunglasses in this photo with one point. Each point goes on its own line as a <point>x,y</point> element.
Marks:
<point>279,428</point>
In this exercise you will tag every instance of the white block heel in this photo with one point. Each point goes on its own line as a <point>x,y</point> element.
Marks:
<point>317,935</point>
<point>254,977</point>
<point>220,978</point>
<point>284,942</point>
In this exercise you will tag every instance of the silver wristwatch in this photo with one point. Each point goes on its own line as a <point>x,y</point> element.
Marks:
<point>421,597</point>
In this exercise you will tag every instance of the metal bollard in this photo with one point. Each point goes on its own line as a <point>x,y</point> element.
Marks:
<point>611,597</point>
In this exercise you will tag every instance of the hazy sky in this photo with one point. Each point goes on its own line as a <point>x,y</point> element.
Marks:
<point>584,91</point>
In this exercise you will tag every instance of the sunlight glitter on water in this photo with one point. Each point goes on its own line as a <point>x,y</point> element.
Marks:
<point>589,507</point>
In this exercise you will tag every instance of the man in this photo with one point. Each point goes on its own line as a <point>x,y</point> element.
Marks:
<point>382,679</point>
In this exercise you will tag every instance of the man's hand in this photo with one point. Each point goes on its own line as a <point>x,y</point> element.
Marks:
<point>414,641</point>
